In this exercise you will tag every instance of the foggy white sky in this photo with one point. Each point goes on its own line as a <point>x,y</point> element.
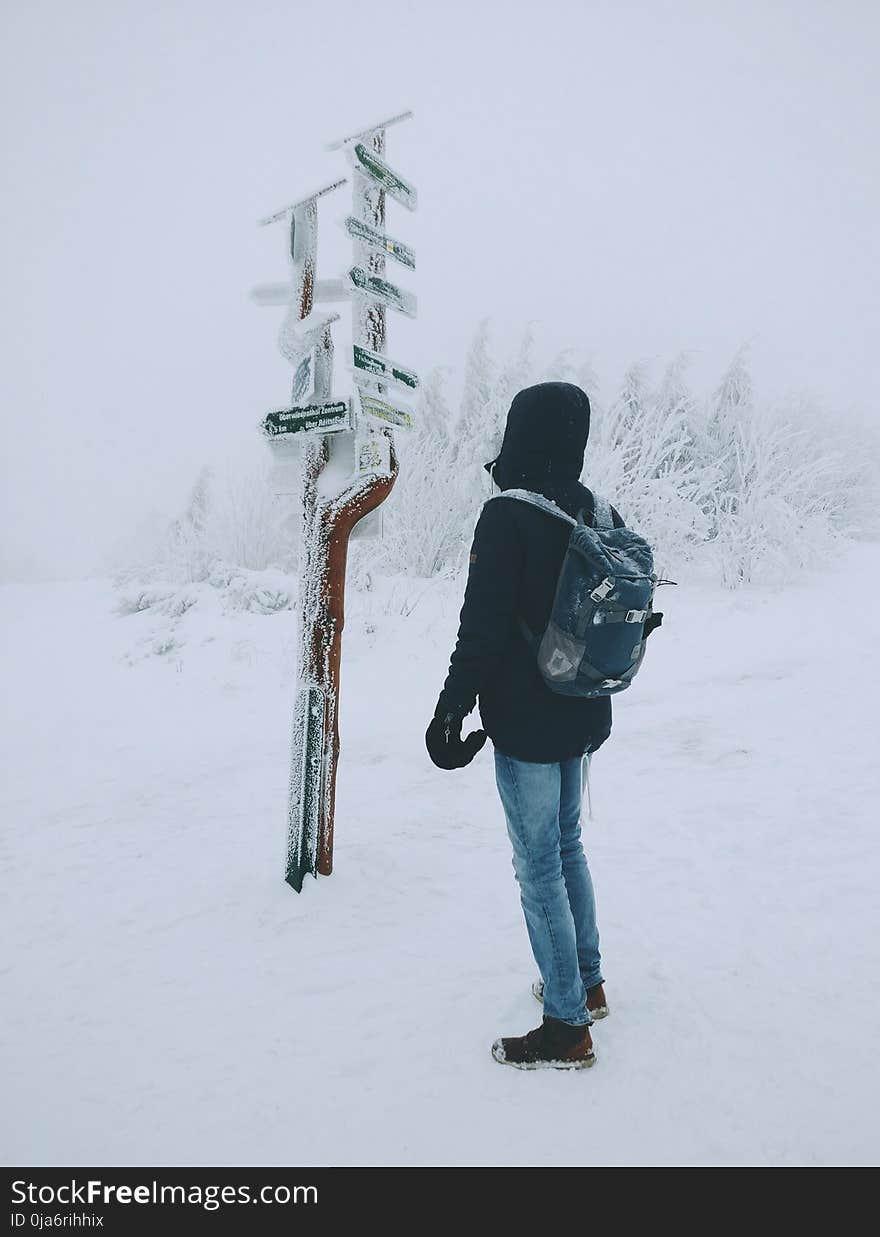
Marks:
<point>639,177</point>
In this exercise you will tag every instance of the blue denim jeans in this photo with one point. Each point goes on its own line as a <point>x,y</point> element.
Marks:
<point>542,803</point>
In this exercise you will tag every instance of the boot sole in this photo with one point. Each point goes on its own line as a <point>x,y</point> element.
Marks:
<point>583,1063</point>
<point>595,1014</point>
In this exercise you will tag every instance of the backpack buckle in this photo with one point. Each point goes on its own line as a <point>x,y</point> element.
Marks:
<point>636,616</point>
<point>601,591</point>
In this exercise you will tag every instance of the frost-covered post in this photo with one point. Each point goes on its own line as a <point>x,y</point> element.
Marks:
<point>348,466</point>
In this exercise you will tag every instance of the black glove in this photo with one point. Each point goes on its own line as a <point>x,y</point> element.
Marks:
<point>654,621</point>
<point>445,745</point>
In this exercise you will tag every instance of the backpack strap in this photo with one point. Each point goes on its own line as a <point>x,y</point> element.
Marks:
<point>543,504</point>
<point>602,517</point>
<point>536,500</point>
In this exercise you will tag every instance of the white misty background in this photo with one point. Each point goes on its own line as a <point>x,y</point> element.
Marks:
<point>641,179</point>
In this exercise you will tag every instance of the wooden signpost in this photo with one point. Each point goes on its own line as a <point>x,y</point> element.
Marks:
<point>345,450</point>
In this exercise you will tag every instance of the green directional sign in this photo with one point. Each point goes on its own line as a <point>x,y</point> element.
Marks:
<point>371,236</point>
<point>311,418</point>
<point>381,410</point>
<point>384,370</point>
<point>382,290</point>
<point>392,182</point>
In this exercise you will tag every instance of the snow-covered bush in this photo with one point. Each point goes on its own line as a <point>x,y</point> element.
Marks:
<point>430,514</point>
<point>784,494</point>
<point>722,485</point>
<point>230,522</point>
<point>642,455</point>
<point>641,452</point>
<point>423,515</point>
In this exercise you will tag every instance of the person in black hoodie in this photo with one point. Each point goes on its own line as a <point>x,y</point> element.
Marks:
<point>542,741</point>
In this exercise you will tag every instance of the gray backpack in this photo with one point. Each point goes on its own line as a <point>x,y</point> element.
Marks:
<point>594,642</point>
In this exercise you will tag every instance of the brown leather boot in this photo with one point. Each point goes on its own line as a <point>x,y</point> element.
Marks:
<point>552,1045</point>
<point>596,1003</point>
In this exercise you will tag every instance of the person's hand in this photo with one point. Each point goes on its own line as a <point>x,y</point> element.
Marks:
<point>445,745</point>
<point>654,621</point>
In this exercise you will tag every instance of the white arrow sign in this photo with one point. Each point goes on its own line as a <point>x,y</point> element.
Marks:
<point>383,124</point>
<point>282,293</point>
<point>381,410</point>
<point>310,197</point>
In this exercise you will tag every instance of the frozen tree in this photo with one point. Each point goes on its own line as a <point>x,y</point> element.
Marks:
<point>435,416</point>
<point>187,550</point>
<point>675,402</point>
<point>423,515</point>
<point>780,502</point>
<point>732,401</point>
<point>475,436</point>
<point>475,414</point>
<point>516,374</point>
<point>486,398</point>
<point>248,525</point>
<point>620,429</point>
<point>640,456</point>
<point>724,443</point>
<point>730,405</point>
<point>562,367</point>
<point>586,378</point>
<point>233,521</point>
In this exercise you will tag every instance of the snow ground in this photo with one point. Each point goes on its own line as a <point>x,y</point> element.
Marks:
<point>169,1000</point>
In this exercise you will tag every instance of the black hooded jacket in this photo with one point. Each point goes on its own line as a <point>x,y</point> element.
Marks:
<point>515,558</point>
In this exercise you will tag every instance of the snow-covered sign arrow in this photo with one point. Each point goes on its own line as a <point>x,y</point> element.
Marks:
<point>382,290</point>
<point>379,369</point>
<point>381,242</point>
<point>381,410</point>
<point>369,164</point>
<point>281,293</point>
<point>304,201</point>
<point>382,124</point>
<point>326,418</point>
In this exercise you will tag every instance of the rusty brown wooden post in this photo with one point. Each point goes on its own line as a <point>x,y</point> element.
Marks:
<point>340,520</point>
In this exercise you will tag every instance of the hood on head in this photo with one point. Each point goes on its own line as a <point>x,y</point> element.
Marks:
<point>545,437</point>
